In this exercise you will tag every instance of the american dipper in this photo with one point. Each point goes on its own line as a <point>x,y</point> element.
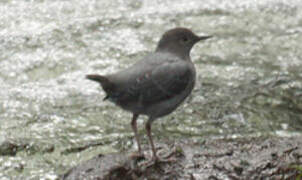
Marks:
<point>156,85</point>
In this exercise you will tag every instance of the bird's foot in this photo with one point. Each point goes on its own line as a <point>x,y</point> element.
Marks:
<point>161,157</point>
<point>137,155</point>
<point>168,155</point>
<point>157,160</point>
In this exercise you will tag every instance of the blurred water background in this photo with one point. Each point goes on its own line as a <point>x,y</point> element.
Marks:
<point>249,75</point>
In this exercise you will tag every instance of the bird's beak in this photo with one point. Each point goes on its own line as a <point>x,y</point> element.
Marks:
<point>204,37</point>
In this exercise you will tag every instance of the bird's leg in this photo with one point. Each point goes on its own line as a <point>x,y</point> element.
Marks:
<point>148,128</point>
<point>155,158</point>
<point>134,127</point>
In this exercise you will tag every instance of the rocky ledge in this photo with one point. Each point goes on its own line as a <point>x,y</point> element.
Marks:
<point>235,159</point>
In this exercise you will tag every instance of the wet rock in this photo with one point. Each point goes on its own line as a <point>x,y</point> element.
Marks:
<point>244,158</point>
<point>112,166</point>
<point>9,148</point>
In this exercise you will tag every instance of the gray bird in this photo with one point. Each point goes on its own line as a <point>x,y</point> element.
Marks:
<point>156,85</point>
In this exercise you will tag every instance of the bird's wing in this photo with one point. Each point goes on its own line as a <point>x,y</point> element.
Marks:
<point>158,84</point>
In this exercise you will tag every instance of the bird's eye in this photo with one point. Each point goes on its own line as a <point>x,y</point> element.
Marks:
<point>184,39</point>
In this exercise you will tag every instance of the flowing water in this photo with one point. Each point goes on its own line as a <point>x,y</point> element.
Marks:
<point>249,75</point>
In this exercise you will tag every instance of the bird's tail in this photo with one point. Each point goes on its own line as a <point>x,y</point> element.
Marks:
<point>104,81</point>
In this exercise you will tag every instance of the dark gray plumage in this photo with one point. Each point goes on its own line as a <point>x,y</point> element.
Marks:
<point>156,85</point>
